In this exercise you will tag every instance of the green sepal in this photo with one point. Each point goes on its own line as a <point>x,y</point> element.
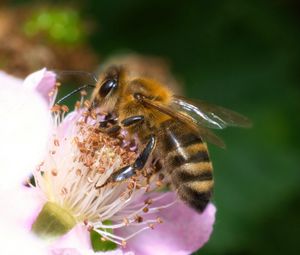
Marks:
<point>98,244</point>
<point>53,221</point>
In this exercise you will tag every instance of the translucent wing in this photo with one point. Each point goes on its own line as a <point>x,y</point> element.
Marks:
<point>209,115</point>
<point>203,132</point>
<point>75,76</point>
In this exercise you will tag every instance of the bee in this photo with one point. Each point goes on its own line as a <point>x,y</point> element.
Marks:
<point>170,128</point>
<point>173,129</point>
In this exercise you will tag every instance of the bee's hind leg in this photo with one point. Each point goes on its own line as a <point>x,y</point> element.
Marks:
<point>130,170</point>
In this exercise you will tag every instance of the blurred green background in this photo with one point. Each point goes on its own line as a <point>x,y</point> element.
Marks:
<point>244,55</point>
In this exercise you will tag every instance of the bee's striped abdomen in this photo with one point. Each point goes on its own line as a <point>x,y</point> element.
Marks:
<point>188,163</point>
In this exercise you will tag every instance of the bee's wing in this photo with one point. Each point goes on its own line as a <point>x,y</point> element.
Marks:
<point>209,115</point>
<point>82,77</point>
<point>203,132</point>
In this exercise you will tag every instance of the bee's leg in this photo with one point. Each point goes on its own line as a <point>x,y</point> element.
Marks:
<point>112,130</point>
<point>130,170</point>
<point>109,119</point>
<point>116,128</point>
<point>104,127</point>
<point>132,120</point>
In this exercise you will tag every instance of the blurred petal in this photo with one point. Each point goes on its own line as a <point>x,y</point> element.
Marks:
<point>183,231</point>
<point>15,240</point>
<point>42,81</point>
<point>18,207</point>
<point>21,199</point>
<point>25,129</point>
<point>9,80</point>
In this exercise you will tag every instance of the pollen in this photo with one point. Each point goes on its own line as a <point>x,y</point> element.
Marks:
<point>54,172</point>
<point>64,108</point>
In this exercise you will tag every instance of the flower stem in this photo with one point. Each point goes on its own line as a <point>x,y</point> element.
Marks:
<point>53,221</point>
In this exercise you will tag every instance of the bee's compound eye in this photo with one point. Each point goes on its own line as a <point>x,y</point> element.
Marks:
<point>107,86</point>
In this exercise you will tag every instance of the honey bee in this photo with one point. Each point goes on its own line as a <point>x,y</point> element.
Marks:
<point>170,128</point>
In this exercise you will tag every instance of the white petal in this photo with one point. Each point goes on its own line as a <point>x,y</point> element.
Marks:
<point>25,127</point>
<point>17,208</point>
<point>9,80</point>
<point>14,241</point>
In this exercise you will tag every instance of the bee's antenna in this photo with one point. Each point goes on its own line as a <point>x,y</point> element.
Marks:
<point>90,78</point>
<point>75,91</point>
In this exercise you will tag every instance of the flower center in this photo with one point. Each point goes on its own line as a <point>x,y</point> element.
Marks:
<point>53,221</point>
<point>73,178</point>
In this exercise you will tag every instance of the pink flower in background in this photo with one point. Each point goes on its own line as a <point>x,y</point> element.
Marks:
<point>33,136</point>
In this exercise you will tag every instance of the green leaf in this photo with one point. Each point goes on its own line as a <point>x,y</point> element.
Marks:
<point>98,244</point>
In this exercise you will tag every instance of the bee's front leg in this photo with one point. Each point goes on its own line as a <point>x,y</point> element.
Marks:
<point>130,121</point>
<point>133,120</point>
<point>130,170</point>
<point>109,125</point>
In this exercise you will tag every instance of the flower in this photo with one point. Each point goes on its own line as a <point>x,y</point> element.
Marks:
<point>70,182</point>
<point>79,161</point>
<point>25,126</point>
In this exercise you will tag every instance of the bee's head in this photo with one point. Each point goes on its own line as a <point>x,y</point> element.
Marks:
<point>107,89</point>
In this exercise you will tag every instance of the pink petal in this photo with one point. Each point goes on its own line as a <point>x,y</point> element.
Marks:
<point>25,129</point>
<point>183,231</point>
<point>42,81</point>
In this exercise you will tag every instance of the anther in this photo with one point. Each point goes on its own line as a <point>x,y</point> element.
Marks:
<point>56,142</point>
<point>124,243</point>
<point>83,93</point>
<point>54,172</point>
<point>64,191</point>
<point>56,108</point>
<point>159,220</point>
<point>126,221</point>
<point>138,218</point>
<point>151,225</point>
<point>64,108</point>
<point>87,103</point>
<point>148,201</point>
